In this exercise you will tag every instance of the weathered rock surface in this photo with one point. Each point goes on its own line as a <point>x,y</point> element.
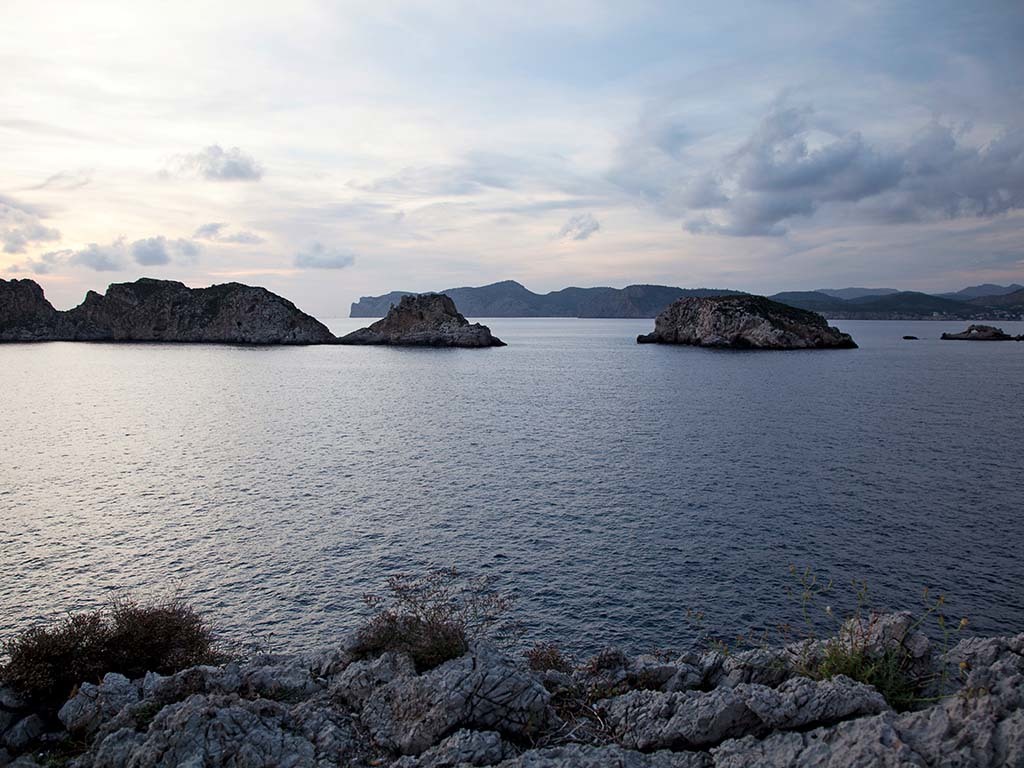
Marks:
<point>981,333</point>
<point>159,310</point>
<point>482,690</point>
<point>708,710</point>
<point>25,314</point>
<point>743,322</point>
<point>648,720</point>
<point>425,320</point>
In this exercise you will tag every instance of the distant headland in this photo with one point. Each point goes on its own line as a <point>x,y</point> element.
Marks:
<point>511,299</point>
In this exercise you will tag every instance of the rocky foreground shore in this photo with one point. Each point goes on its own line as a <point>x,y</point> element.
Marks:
<point>488,708</point>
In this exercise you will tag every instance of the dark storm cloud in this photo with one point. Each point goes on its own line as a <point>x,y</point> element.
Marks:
<point>214,231</point>
<point>579,227</point>
<point>793,167</point>
<point>218,164</point>
<point>319,257</point>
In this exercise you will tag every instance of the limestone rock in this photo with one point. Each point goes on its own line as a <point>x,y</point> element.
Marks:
<point>610,756</point>
<point>226,730</point>
<point>463,748</point>
<point>482,689</point>
<point>361,678</point>
<point>981,333</point>
<point>24,732</point>
<point>159,310</point>
<point>92,705</point>
<point>427,320</point>
<point>743,322</point>
<point>647,720</point>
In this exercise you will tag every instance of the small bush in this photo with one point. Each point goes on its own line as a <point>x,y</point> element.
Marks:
<point>889,673</point>
<point>47,663</point>
<point>544,657</point>
<point>434,617</point>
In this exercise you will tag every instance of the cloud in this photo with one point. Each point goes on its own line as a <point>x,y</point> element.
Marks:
<point>795,166</point>
<point>579,227</point>
<point>21,225</point>
<point>318,257</point>
<point>217,164</point>
<point>215,231</point>
<point>113,257</point>
<point>66,180</point>
<point>157,251</point>
<point>477,172</point>
<point>100,258</point>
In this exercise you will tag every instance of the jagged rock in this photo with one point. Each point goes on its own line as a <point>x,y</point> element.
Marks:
<point>649,720</point>
<point>743,322</point>
<point>428,320</point>
<point>482,689</point>
<point>25,314</point>
<point>159,310</point>
<point>162,689</point>
<point>610,756</point>
<point>226,730</point>
<point>278,677</point>
<point>463,748</point>
<point>981,333</point>
<point>92,705</point>
<point>361,678</point>
<point>24,732</point>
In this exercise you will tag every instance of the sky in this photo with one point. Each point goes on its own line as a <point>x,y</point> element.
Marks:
<point>329,150</point>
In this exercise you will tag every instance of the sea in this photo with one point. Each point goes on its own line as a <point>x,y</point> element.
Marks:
<point>645,496</point>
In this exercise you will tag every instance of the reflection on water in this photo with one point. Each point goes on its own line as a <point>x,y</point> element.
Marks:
<point>613,486</point>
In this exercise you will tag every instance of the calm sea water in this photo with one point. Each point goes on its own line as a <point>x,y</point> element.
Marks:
<point>612,486</point>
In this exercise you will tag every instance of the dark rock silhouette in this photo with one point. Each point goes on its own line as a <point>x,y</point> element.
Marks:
<point>159,310</point>
<point>425,320</point>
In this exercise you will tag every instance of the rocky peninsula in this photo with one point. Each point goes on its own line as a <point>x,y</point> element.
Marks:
<point>981,333</point>
<point>158,310</point>
<point>424,320</point>
<point>343,706</point>
<point>743,322</point>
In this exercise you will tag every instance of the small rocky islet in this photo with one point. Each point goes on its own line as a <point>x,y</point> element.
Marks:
<point>981,333</point>
<point>743,322</point>
<point>711,709</point>
<point>424,320</point>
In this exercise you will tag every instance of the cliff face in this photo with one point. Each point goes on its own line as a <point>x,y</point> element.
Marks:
<point>428,320</point>
<point>161,310</point>
<point>743,322</point>
<point>25,314</point>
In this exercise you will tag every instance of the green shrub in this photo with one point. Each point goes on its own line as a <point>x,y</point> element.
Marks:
<point>47,663</point>
<point>434,617</point>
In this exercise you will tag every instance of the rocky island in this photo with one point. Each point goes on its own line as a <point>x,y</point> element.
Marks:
<point>424,320</point>
<point>743,322</point>
<point>981,333</point>
<point>159,310</point>
<point>342,706</point>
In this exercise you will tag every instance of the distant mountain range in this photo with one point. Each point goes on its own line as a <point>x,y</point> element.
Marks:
<point>511,299</point>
